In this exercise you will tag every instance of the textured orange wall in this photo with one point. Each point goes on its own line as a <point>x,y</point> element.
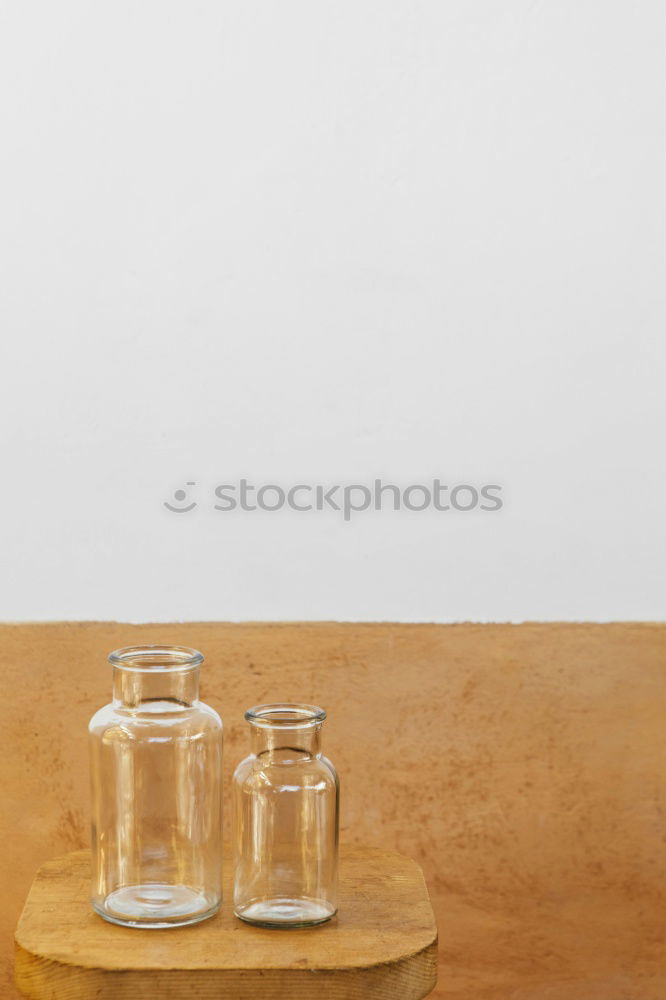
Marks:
<point>522,766</point>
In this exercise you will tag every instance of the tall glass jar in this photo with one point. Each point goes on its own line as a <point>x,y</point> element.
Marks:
<point>156,763</point>
<point>286,804</point>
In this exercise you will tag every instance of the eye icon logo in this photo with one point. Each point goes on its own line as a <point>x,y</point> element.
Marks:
<point>180,496</point>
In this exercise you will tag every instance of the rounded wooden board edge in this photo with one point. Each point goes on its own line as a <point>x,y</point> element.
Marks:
<point>410,978</point>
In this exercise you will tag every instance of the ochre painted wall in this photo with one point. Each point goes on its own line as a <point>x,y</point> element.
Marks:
<point>522,766</point>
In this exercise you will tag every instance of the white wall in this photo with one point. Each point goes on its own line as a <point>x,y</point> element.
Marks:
<point>305,241</point>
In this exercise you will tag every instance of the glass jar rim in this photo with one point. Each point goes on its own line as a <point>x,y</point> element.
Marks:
<point>158,658</point>
<point>285,715</point>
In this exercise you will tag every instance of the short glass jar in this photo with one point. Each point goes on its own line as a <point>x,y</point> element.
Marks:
<point>286,807</point>
<point>156,770</point>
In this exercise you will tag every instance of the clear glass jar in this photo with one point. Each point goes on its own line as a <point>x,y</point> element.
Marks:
<point>156,763</point>
<point>286,805</point>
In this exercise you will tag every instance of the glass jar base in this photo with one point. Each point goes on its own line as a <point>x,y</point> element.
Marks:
<point>156,905</point>
<point>283,911</point>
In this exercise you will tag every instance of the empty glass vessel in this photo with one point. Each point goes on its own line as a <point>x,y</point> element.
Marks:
<point>156,761</point>
<point>285,797</point>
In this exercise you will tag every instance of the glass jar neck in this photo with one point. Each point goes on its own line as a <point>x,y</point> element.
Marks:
<point>132,688</point>
<point>271,739</point>
<point>150,676</point>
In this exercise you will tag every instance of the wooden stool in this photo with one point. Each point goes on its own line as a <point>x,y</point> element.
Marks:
<point>383,943</point>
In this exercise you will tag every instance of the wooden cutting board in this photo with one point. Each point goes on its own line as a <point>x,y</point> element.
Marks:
<point>383,943</point>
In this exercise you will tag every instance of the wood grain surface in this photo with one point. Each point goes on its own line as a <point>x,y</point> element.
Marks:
<point>522,766</point>
<point>382,943</point>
